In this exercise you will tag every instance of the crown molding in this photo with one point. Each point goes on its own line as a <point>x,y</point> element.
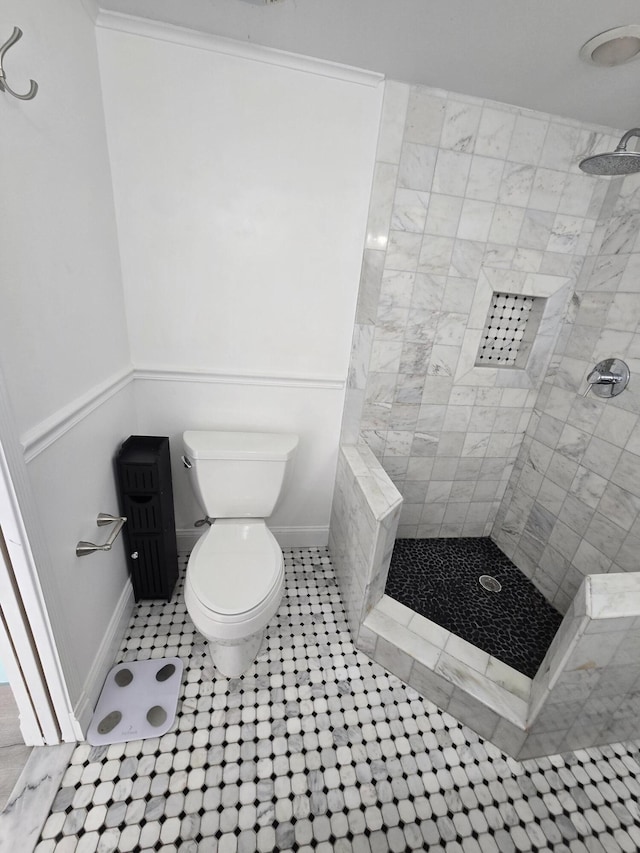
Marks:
<point>161,31</point>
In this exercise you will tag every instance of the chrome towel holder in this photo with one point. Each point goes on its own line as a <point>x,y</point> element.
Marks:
<point>4,86</point>
<point>84,548</point>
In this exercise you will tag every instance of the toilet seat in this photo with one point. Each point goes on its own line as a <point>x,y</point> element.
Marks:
<point>234,568</point>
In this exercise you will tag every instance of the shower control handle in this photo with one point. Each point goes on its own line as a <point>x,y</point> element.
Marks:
<point>608,378</point>
<point>597,378</point>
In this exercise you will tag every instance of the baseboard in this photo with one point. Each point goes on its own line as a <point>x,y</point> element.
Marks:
<point>301,537</point>
<point>186,538</point>
<point>287,537</point>
<point>105,657</point>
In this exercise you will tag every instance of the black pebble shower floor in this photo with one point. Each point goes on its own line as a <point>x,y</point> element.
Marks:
<point>439,579</point>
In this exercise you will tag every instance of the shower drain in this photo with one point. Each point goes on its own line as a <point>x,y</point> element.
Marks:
<point>487,582</point>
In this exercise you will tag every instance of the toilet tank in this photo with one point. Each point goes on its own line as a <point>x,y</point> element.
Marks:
<point>238,474</point>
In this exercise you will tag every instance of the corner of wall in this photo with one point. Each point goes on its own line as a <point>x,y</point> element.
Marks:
<point>105,657</point>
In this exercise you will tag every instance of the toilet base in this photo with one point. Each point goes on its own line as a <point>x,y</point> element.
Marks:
<point>232,659</point>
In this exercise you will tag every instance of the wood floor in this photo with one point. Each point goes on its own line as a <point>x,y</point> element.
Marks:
<point>13,752</point>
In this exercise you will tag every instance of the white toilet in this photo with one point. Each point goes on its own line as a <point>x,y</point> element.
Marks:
<point>235,574</point>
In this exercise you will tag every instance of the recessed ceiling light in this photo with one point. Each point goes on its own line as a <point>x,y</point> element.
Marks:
<point>613,47</point>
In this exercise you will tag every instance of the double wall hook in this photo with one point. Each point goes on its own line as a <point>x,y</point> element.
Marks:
<point>4,86</point>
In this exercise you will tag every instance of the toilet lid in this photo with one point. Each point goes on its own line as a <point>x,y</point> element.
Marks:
<point>234,566</point>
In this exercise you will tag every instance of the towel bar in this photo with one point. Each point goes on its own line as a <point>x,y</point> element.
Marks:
<point>84,548</point>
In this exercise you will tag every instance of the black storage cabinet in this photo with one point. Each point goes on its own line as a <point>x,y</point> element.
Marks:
<point>143,470</point>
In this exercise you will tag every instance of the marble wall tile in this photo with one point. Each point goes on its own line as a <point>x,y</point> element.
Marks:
<point>588,486</point>
<point>626,474</point>
<point>370,281</point>
<point>581,341</point>
<point>393,659</point>
<point>403,250</point>
<point>485,174</point>
<point>382,193</point>
<point>461,124</point>
<point>475,220</point>
<point>601,456</point>
<point>516,185</point>
<point>575,514</point>
<point>424,117</point>
<point>616,426</point>
<point>621,233</point>
<point>410,210</point>
<point>364,517</point>
<point>536,229</point>
<point>562,471</point>
<point>547,190</point>
<point>409,390</point>
<point>417,164</point>
<point>451,172</point>
<point>572,443</point>
<point>576,196</point>
<point>467,258</point>
<point>395,105</point>
<point>564,540</point>
<point>361,354</point>
<point>630,279</point>
<point>429,684</point>
<point>443,216</point>
<point>527,139</point>
<point>589,560</point>
<point>435,255</point>
<point>482,189</point>
<point>551,496</point>
<point>506,224</point>
<point>385,357</point>
<point>415,357</point>
<point>559,146</point>
<point>620,506</point>
<point>495,132</point>
<point>594,307</point>
<point>566,234</point>
<point>585,413</point>
<point>608,271</point>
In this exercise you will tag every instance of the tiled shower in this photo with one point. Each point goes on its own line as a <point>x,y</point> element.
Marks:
<point>472,200</point>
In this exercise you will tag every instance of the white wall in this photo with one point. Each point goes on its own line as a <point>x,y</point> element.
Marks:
<point>315,412</point>
<point>63,335</point>
<point>241,181</point>
<point>241,188</point>
<point>62,319</point>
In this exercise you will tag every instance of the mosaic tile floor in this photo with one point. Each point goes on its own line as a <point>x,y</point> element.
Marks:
<point>317,748</point>
<point>438,578</point>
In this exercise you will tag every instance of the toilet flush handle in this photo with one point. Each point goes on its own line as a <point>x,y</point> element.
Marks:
<point>186,461</point>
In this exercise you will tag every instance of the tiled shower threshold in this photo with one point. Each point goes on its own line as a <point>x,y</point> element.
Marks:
<point>584,692</point>
<point>447,669</point>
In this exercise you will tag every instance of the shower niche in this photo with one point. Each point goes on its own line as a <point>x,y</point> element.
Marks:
<point>510,329</point>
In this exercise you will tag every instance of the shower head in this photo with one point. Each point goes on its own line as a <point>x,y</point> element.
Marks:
<point>618,162</point>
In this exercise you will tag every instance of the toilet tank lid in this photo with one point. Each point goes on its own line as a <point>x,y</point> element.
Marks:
<point>211,444</point>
